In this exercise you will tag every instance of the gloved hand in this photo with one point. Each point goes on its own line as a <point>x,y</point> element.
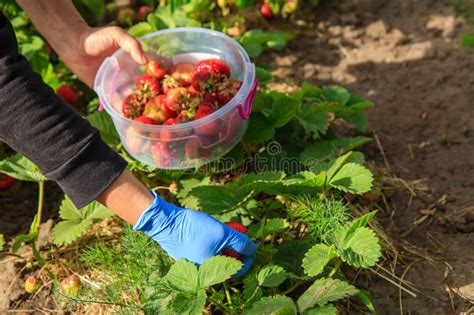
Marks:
<point>193,235</point>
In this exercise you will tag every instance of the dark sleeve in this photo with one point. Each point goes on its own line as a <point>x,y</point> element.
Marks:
<point>38,124</point>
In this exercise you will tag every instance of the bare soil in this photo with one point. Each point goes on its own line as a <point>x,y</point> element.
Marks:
<point>405,57</point>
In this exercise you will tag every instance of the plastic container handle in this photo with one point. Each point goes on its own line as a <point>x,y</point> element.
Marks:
<point>113,83</point>
<point>244,111</point>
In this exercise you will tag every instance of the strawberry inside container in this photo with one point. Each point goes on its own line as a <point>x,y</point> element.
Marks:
<point>176,115</point>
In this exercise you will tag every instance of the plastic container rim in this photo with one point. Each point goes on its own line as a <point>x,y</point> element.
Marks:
<point>249,72</point>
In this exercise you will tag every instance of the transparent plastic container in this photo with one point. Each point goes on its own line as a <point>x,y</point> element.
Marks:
<point>185,145</point>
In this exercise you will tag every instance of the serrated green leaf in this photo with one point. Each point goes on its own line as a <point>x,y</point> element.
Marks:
<point>96,211</point>
<point>358,119</point>
<point>324,290</point>
<point>217,269</point>
<point>337,164</point>
<point>260,129</point>
<point>263,76</point>
<point>189,304</point>
<point>216,199</point>
<point>307,179</point>
<point>186,185</point>
<point>327,309</point>
<point>359,222</point>
<point>317,258</point>
<point>309,91</point>
<point>183,276</point>
<point>273,305</point>
<point>283,110</point>
<point>67,211</point>
<point>104,123</point>
<point>361,249</point>
<point>270,226</point>
<point>140,29</point>
<point>66,232</point>
<point>2,242</point>
<point>353,178</point>
<point>290,255</point>
<point>336,94</point>
<point>271,276</point>
<point>313,120</point>
<point>21,168</point>
<point>322,150</point>
<point>256,182</point>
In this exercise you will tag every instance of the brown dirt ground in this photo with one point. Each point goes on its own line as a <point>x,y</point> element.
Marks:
<point>405,57</point>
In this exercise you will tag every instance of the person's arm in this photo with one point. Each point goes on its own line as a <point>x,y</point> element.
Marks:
<point>81,47</point>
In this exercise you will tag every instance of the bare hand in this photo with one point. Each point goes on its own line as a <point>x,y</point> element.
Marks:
<point>95,45</point>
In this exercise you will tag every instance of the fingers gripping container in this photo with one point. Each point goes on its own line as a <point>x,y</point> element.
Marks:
<point>169,147</point>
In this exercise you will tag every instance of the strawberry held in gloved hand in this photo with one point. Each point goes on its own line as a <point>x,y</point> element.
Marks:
<point>193,235</point>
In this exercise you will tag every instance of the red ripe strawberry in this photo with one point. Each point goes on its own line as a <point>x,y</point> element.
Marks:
<point>155,69</point>
<point>180,99</point>
<point>6,181</point>
<point>147,85</point>
<point>266,11</point>
<point>69,94</point>
<point>213,65</point>
<point>143,12</point>
<point>210,128</point>
<point>193,91</point>
<point>161,154</point>
<point>239,227</point>
<point>145,120</point>
<point>170,83</point>
<point>183,72</point>
<point>157,110</point>
<point>167,135</point>
<point>133,105</point>
<point>205,82</point>
<point>196,148</point>
<point>227,90</point>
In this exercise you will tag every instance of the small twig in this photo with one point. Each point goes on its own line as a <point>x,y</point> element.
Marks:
<point>382,151</point>
<point>393,282</point>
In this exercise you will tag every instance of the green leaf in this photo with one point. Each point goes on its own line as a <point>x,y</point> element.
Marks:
<point>23,238</point>
<point>317,258</point>
<point>313,120</point>
<point>189,304</point>
<point>467,41</point>
<point>290,255</point>
<point>271,276</point>
<point>359,119</point>
<point>337,164</point>
<point>361,249</point>
<point>2,242</point>
<point>140,29</point>
<point>217,269</point>
<point>353,178</point>
<point>260,129</point>
<point>273,305</point>
<point>186,185</point>
<point>183,276</point>
<point>324,290</point>
<point>76,221</point>
<point>21,168</point>
<point>270,226</point>
<point>66,232</point>
<point>307,179</point>
<point>263,76</point>
<point>283,110</point>
<point>104,123</point>
<point>366,298</point>
<point>360,222</point>
<point>322,150</point>
<point>215,199</point>
<point>327,309</point>
<point>336,94</point>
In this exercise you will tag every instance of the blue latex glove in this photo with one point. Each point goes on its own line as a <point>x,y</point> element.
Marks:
<point>193,235</point>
